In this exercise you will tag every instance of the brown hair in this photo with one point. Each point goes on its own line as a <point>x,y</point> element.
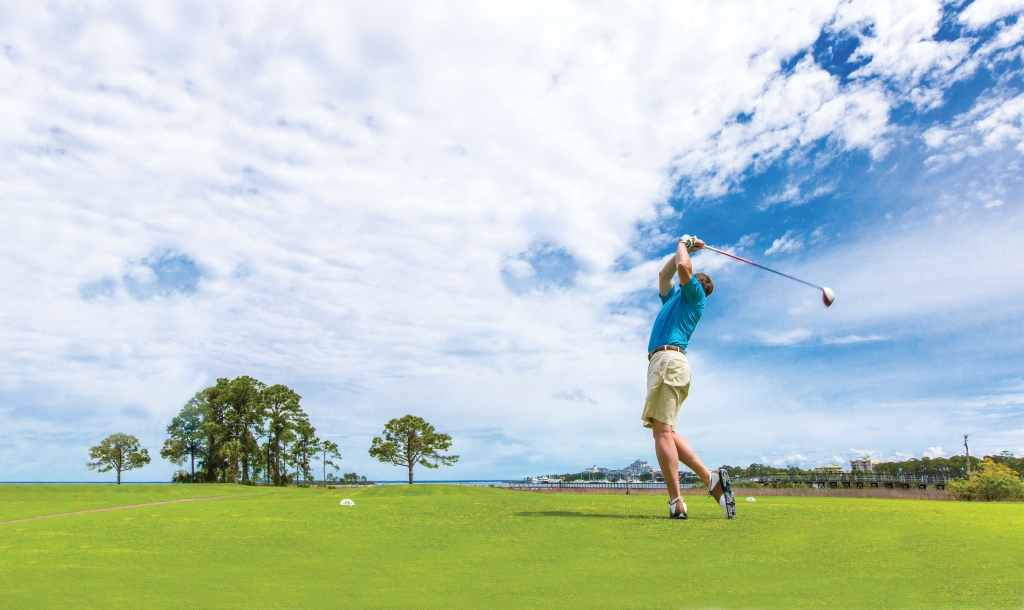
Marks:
<point>706,282</point>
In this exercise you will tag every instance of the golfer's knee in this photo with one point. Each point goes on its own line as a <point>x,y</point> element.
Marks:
<point>662,430</point>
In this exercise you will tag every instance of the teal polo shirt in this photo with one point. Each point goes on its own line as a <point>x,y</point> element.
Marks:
<point>681,309</point>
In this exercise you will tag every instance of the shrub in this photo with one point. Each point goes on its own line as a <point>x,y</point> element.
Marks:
<point>181,476</point>
<point>994,482</point>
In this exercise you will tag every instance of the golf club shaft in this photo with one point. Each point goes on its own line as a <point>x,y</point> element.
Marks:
<point>740,258</point>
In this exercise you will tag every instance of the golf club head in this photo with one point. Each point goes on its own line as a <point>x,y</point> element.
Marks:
<point>827,297</point>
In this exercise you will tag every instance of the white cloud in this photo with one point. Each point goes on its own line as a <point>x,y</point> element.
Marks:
<point>980,13</point>
<point>934,452</point>
<point>995,121</point>
<point>898,39</point>
<point>1001,123</point>
<point>790,242</point>
<point>573,396</point>
<point>852,339</point>
<point>790,193</point>
<point>818,236</point>
<point>793,194</point>
<point>936,136</point>
<point>793,110</point>
<point>873,454</point>
<point>789,337</point>
<point>745,242</point>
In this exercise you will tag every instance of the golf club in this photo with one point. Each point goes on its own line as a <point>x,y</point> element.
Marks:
<point>827,296</point>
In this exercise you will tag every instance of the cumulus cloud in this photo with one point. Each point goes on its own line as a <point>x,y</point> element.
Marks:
<point>789,337</point>
<point>873,454</point>
<point>790,242</point>
<point>793,194</point>
<point>573,396</point>
<point>796,109</point>
<point>1001,123</point>
<point>934,452</point>
<point>898,42</point>
<point>980,13</point>
<point>852,339</point>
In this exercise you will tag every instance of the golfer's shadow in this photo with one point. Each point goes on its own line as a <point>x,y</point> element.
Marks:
<point>569,513</point>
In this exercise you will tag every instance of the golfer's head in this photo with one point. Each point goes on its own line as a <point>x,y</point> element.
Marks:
<point>706,282</point>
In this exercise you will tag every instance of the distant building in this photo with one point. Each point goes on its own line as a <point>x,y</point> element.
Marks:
<point>864,464</point>
<point>830,469</point>
<point>638,468</point>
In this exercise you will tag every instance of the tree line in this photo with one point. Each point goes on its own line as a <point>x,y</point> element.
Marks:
<point>953,466</point>
<point>243,431</point>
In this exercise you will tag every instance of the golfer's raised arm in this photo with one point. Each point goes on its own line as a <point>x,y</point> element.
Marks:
<point>665,276</point>
<point>684,266</point>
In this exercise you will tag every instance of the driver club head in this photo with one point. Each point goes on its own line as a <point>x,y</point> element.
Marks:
<point>827,296</point>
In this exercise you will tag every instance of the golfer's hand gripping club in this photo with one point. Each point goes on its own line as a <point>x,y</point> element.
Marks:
<point>691,243</point>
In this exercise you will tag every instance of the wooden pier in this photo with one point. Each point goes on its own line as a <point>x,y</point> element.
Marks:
<point>841,480</point>
<point>851,480</point>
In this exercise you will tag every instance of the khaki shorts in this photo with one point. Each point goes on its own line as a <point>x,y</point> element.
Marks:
<point>668,384</point>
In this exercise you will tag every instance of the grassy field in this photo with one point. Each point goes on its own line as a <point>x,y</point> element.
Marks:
<point>458,547</point>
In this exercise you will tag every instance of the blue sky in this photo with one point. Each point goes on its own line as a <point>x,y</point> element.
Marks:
<point>459,212</point>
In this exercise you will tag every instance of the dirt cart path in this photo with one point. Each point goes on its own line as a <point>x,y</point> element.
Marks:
<point>103,510</point>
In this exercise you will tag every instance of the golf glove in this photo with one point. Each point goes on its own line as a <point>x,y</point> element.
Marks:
<point>688,241</point>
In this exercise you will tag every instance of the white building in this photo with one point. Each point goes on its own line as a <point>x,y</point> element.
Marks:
<point>637,468</point>
<point>864,464</point>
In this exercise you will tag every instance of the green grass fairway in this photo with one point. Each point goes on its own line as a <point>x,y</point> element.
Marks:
<point>459,547</point>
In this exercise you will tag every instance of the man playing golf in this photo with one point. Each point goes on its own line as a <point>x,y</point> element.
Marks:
<point>668,377</point>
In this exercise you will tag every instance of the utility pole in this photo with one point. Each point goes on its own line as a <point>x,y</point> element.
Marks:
<point>968,452</point>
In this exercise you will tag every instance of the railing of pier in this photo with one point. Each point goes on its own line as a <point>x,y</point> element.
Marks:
<point>852,479</point>
<point>530,486</point>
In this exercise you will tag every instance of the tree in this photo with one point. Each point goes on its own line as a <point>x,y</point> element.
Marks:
<point>282,413</point>
<point>409,441</point>
<point>186,435</point>
<point>993,482</point>
<point>214,405</point>
<point>223,425</point>
<point>119,452</point>
<point>967,452</point>
<point>329,450</point>
<point>306,444</point>
<point>244,419</point>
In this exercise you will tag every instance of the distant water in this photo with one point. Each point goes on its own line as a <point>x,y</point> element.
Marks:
<point>84,483</point>
<point>483,482</point>
<point>478,482</point>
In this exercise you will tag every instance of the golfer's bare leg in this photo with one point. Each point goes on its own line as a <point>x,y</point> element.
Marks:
<point>668,457</point>
<point>689,457</point>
